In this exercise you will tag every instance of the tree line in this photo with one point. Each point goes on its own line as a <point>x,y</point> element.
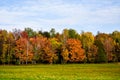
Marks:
<point>31,47</point>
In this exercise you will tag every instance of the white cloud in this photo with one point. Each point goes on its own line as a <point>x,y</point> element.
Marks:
<point>45,13</point>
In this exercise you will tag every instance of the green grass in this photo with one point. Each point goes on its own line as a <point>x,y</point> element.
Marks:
<point>61,72</point>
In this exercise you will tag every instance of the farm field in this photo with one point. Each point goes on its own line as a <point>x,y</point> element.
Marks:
<point>61,72</point>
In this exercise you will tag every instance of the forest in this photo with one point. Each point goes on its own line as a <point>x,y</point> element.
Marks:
<point>50,47</point>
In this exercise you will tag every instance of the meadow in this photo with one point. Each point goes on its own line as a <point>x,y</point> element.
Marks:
<point>61,72</point>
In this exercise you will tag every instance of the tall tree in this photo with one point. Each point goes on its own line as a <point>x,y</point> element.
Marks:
<point>63,39</point>
<point>87,39</point>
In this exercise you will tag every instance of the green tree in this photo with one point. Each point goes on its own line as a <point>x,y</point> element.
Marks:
<point>101,55</point>
<point>30,32</point>
<point>73,34</point>
<point>52,33</point>
<point>46,34</point>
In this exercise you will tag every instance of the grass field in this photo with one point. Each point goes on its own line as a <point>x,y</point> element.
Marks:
<point>61,72</point>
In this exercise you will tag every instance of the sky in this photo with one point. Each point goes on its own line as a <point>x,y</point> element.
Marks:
<point>81,15</point>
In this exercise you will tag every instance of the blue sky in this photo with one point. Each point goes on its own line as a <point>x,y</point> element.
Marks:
<point>86,15</point>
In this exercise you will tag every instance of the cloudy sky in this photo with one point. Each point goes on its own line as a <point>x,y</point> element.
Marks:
<point>86,15</point>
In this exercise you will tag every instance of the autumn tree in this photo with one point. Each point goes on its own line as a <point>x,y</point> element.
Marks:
<point>116,37</point>
<point>56,49</point>
<point>35,46</point>
<point>46,53</point>
<point>3,46</point>
<point>87,39</point>
<point>109,46</point>
<point>75,52</point>
<point>24,49</point>
<point>64,36</point>
<point>65,55</point>
<point>43,50</point>
<point>105,46</point>
<point>28,46</point>
<point>92,54</point>
<point>11,48</point>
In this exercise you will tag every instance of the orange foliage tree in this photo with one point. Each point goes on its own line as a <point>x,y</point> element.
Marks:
<point>75,51</point>
<point>42,49</point>
<point>21,51</point>
<point>24,49</point>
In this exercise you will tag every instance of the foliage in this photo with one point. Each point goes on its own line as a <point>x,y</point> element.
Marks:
<point>29,46</point>
<point>76,53</point>
<point>73,34</point>
<point>52,33</point>
<point>92,54</point>
<point>23,51</point>
<point>105,44</point>
<point>101,55</point>
<point>116,37</point>
<point>56,49</point>
<point>30,32</point>
<point>87,40</point>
